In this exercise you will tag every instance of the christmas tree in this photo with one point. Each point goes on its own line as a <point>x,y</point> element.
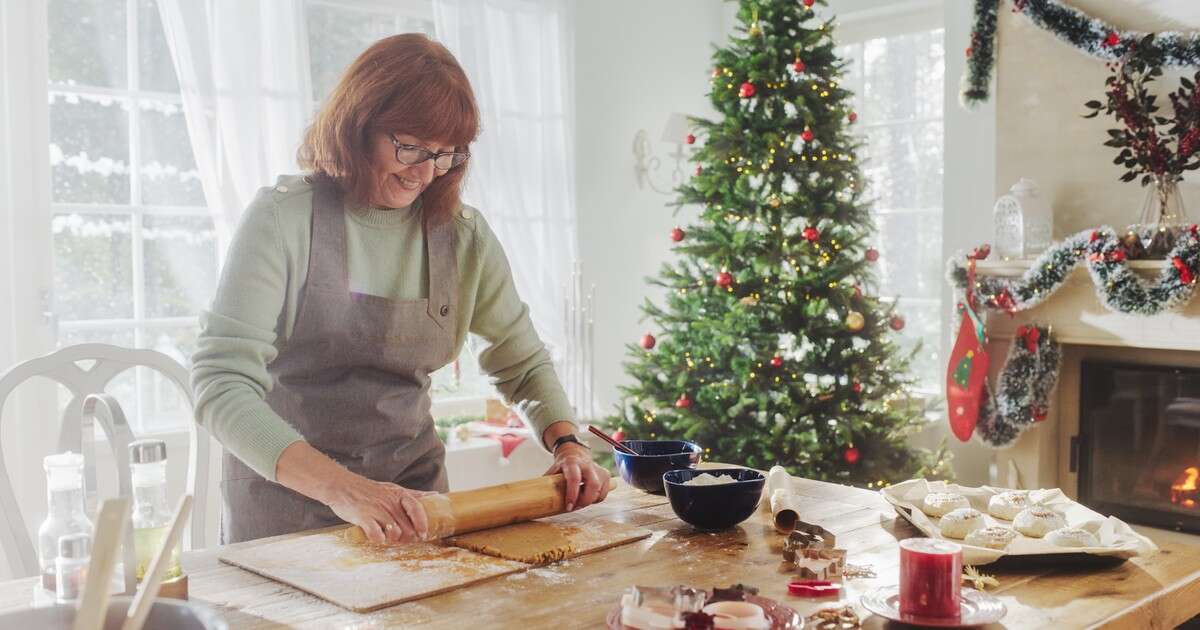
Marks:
<point>771,347</point>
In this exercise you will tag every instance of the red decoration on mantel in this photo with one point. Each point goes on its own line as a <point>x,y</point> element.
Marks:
<point>1112,40</point>
<point>1039,413</point>
<point>1185,274</point>
<point>1031,336</point>
<point>1005,301</point>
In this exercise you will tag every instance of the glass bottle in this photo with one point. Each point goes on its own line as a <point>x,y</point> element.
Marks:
<point>1163,216</point>
<point>74,555</point>
<point>151,516</point>
<point>65,514</point>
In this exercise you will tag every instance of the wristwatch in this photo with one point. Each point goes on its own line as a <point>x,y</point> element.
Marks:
<point>570,437</point>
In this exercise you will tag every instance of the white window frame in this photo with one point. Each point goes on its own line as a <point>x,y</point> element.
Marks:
<point>875,20</point>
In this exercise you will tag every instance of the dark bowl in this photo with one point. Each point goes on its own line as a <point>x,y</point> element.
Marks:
<point>715,507</point>
<point>644,471</point>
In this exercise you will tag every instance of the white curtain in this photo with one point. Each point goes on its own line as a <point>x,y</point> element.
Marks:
<point>244,74</point>
<point>518,56</point>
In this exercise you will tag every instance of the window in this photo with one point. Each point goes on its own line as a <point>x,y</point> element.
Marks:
<point>898,84</point>
<point>134,249</point>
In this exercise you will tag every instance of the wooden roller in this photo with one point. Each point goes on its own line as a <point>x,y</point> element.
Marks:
<point>484,508</point>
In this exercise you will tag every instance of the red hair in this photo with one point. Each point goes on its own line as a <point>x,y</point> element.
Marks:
<point>406,84</point>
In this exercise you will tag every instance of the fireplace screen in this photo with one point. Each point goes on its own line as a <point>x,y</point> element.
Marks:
<point>1138,448</point>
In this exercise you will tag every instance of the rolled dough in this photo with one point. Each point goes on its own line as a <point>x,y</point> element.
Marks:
<point>532,542</point>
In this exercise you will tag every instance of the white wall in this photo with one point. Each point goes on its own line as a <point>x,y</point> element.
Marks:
<point>635,62</point>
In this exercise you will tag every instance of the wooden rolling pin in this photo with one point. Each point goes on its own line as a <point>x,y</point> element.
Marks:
<point>472,510</point>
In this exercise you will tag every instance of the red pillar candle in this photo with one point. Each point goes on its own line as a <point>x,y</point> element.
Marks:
<point>930,577</point>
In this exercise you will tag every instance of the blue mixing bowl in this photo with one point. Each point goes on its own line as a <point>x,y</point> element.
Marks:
<point>718,506</point>
<point>644,471</point>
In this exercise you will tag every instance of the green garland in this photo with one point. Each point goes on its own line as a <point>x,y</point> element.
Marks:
<point>1117,286</point>
<point>1023,390</point>
<point>1091,36</point>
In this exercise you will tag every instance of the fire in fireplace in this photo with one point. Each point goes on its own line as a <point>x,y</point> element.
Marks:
<point>1183,491</point>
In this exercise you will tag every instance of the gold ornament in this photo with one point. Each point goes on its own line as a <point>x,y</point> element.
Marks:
<point>774,201</point>
<point>749,300</point>
<point>855,321</point>
<point>755,31</point>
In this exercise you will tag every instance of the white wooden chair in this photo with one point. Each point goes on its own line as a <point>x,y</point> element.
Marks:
<point>89,403</point>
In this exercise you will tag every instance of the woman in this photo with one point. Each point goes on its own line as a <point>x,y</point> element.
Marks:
<point>343,290</point>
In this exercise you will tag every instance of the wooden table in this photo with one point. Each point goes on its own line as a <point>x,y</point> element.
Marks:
<point>1160,591</point>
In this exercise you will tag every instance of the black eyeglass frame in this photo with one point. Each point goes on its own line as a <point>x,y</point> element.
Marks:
<point>425,154</point>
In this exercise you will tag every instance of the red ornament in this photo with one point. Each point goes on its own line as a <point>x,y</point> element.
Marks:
<point>852,116</point>
<point>724,279</point>
<point>776,361</point>
<point>1094,237</point>
<point>1112,40</point>
<point>683,402</point>
<point>1185,274</point>
<point>811,234</point>
<point>1005,301</point>
<point>648,341</point>
<point>677,234</point>
<point>872,254</point>
<point>747,90</point>
<point>1117,256</point>
<point>969,51</point>
<point>809,3</point>
<point>618,435</point>
<point>857,387</point>
<point>807,136</point>
<point>1030,335</point>
<point>716,72</point>
<point>851,455</point>
<point>690,139</point>
<point>897,323</point>
<point>1039,413</point>
<point>798,66</point>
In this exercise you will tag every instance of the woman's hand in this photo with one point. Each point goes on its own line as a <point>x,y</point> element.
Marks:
<point>575,463</point>
<point>385,511</point>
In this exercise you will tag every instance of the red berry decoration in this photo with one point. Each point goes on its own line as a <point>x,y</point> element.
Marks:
<point>747,90</point>
<point>648,341</point>
<point>724,279</point>
<point>1112,40</point>
<point>776,361</point>
<point>684,402</point>
<point>857,387</point>
<point>677,234</point>
<point>807,135</point>
<point>897,323</point>
<point>811,234</point>
<point>798,66</point>
<point>618,435</point>
<point>690,139</point>
<point>852,116</point>
<point>851,455</point>
<point>872,254</point>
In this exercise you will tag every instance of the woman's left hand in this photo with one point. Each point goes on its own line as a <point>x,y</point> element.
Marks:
<point>575,463</point>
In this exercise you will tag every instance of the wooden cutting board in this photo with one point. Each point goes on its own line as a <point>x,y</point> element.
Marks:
<point>364,578</point>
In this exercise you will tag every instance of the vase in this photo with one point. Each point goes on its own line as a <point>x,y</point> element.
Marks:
<point>1163,216</point>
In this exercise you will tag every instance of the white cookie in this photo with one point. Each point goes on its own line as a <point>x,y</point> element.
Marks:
<point>991,537</point>
<point>1073,537</point>
<point>960,522</point>
<point>939,504</point>
<point>1007,505</point>
<point>1037,521</point>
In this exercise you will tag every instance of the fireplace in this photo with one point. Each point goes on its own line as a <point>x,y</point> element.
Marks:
<point>1137,451</point>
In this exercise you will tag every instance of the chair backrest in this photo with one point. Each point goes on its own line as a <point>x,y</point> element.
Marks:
<point>108,362</point>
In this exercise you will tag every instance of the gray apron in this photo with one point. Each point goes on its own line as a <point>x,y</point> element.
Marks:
<point>353,379</point>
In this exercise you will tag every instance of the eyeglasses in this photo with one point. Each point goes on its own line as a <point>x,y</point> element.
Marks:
<point>411,154</point>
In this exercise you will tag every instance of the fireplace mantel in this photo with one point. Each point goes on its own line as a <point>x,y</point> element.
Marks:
<point>1078,317</point>
<point>1088,330</point>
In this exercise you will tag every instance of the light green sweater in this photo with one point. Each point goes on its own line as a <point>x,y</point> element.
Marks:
<point>255,308</point>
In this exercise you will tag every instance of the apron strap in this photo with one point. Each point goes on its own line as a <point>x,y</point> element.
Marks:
<point>441,240</point>
<point>327,264</point>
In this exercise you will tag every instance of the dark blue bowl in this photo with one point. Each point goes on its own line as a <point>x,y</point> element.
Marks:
<point>644,471</point>
<point>715,507</point>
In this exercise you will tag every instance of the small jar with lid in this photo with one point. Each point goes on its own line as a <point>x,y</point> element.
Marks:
<point>151,515</point>
<point>70,567</point>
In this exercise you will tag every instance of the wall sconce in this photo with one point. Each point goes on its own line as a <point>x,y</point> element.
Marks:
<point>645,162</point>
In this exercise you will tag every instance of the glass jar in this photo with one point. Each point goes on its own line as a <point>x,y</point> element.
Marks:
<point>1163,217</point>
<point>74,555</point>
<point>151,515</point>
<point>65,511</point>
<point>1023,222</point>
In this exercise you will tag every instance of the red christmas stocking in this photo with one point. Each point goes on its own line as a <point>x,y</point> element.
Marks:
<point>966,373</point>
